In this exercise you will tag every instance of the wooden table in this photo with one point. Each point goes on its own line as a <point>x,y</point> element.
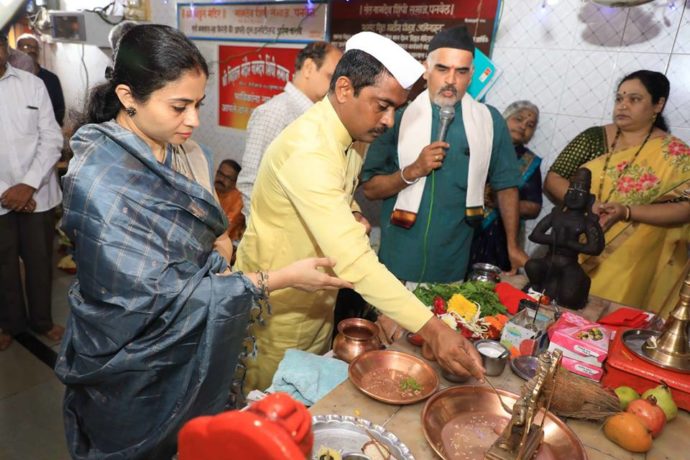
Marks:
<point>405,421</point>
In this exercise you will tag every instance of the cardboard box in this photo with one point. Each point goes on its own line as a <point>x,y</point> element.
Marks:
<point>592,361</point>
<point>521,335</point>
<point>584,338</point>
<point>586,370</point>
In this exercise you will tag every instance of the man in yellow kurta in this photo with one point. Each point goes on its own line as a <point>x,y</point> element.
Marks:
<point>302,206</point>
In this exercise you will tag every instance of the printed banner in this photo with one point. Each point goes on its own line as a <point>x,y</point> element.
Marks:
<point>284,22</point>
<point>413,23</point>
<point>248,77</point>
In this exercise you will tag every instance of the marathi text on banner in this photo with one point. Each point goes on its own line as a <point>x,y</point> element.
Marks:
<point>413,23</point>
<point>248,77</point>
<point>275,22</point>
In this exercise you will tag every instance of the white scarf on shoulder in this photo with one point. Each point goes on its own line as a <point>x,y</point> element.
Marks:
<point>415,134</point>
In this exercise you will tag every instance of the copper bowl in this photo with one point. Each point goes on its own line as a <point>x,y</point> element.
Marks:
<point>379,374</point>
<point>457,410</point>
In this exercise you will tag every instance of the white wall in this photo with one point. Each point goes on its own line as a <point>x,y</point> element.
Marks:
<point>65,60</point>
<point>568,58</point>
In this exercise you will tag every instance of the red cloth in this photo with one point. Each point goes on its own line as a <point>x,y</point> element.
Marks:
<point>626,316</point>
<point>275,428</point>
<point>511,296</point>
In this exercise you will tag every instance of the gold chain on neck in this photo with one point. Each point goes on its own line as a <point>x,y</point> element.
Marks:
<point>625,168</point>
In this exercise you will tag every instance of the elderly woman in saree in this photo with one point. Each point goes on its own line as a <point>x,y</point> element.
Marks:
<point>641,180</point>
<point>157,319</point>
<point>490,245</point>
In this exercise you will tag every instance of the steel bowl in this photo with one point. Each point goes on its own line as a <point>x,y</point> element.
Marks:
<point>397,365</point>
<point>485,272</point>
<point>461,409</point>
<point>493,365</point>
<point>348,434</point>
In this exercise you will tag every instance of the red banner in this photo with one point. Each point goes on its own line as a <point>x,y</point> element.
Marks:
<point>413,23</point>
<point>248,77</point>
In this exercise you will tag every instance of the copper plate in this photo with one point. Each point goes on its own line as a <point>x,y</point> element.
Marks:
<point>378,361</point>
<point>480,402</point>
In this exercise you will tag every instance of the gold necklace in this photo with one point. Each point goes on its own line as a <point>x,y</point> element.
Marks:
<point>622,171</point>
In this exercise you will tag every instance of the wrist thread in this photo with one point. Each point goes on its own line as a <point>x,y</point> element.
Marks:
<point>628,213</point>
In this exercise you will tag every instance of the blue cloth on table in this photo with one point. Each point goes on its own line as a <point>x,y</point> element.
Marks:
<point>307,377</point>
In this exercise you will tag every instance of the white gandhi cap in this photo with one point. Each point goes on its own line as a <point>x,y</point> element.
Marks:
<point>399,62</point>
<point>30,37</point>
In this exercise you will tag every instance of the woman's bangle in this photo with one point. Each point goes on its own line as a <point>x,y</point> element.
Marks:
<point>263,283</point>
<point>628,213</point>
<point>402,176</point>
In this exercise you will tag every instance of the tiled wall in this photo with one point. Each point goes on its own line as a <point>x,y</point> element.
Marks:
<point>568,57</point>
<point>565,57</point>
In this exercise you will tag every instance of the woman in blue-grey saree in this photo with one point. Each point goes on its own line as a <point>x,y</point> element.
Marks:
<point>489,244</point>
<point>157,318</point>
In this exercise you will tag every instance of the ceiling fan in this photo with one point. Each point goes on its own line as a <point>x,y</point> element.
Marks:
<point>621,3</point>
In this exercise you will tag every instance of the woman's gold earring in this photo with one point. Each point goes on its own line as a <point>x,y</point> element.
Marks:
<point>131,111</point>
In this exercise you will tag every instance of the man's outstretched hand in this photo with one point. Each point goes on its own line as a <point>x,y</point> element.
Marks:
<point>452,351</point>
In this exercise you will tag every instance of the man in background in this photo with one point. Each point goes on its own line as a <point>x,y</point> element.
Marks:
<point>30,45</point>
<point>20,60</point>
<point>433,189</point>
<point>230,198</point>
<point>29,192</point>
<point>314,68</point>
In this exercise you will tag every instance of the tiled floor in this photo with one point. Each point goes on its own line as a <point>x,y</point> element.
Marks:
<point>31,395</point>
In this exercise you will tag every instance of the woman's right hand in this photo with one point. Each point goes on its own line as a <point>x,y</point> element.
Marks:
<point>305,275</point>
<point>611,213</point>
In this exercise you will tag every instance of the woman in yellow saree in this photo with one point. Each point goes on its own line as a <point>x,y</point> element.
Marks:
<point>641,179</point>
<point>647,238</point>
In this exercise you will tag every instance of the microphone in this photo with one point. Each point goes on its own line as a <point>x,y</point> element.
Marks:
<point>447,113</point>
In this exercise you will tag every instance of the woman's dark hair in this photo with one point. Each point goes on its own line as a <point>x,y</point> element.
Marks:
<point>361,68</point>
<point>148,57</point>
<point>657,85</point>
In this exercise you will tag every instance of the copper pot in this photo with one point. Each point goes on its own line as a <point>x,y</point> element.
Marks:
<point>355,336</point>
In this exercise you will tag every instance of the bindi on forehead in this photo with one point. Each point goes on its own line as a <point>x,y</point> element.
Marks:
<point>629,93</point>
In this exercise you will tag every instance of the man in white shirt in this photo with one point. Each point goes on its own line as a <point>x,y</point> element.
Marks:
<point>314,68</point>
<point>29,191</point>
